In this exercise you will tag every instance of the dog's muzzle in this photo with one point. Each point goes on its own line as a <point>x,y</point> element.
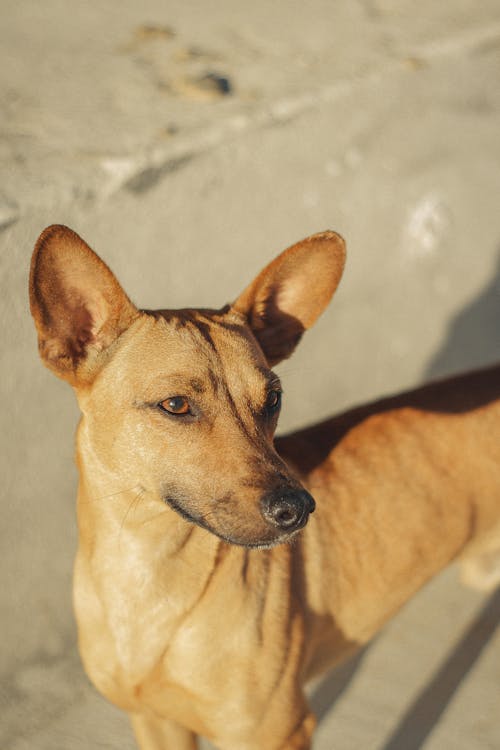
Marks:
<point>287,510</point>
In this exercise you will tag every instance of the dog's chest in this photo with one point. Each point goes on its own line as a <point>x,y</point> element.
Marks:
<point>146,648</point>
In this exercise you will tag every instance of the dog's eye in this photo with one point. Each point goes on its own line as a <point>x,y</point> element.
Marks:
<point>176,405</point>
<point>273,401</point>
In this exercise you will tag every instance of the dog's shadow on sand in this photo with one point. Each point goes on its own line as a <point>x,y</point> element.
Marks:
<point>473,337</point>
<point>422,716</point>
<point>472,341</point>
<point>331,688</point>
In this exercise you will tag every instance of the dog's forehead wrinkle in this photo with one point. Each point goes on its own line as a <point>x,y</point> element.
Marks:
<point>223,331</point>
<point>200,353</point>
<point>234,359</point>
<point>197,385</point>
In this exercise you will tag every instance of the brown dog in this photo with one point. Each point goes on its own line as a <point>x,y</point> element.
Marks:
<point>191,614</point>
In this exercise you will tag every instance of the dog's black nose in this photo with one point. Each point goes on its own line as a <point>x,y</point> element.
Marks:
<point>287,509</point>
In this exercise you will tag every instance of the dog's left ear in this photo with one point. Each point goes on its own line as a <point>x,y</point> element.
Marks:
<point>78,306</point>
<point>289,295</point>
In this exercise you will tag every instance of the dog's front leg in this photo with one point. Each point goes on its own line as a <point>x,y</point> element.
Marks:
<point>161,734</point>
<point>302,736</point>
<point>283,731</point>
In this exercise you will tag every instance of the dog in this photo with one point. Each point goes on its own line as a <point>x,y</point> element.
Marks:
<point>209,585</point>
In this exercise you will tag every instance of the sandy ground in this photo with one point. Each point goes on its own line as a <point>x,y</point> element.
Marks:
<point>188,144</point>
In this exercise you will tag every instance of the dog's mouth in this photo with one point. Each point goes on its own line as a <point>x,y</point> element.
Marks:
<point>270,537</point>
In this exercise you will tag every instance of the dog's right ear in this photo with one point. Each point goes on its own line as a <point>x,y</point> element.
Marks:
<point>78,306</point>
<point>291,292</point>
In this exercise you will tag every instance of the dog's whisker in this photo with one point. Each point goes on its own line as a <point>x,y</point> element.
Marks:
<point>132,505</point>
<point>162,512</point>
<point>100,498</point>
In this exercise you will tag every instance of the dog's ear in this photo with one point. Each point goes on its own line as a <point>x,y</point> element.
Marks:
<point>78,306</point>
<point>289,295</point>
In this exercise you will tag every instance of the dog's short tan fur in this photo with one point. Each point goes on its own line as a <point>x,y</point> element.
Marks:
<point>191,615</point>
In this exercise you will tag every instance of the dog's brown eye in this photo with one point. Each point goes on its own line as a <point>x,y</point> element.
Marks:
<point>176,405</point>
<point>273,400</point>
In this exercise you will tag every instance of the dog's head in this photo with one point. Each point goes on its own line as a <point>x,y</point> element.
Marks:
<point>184,403</point>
